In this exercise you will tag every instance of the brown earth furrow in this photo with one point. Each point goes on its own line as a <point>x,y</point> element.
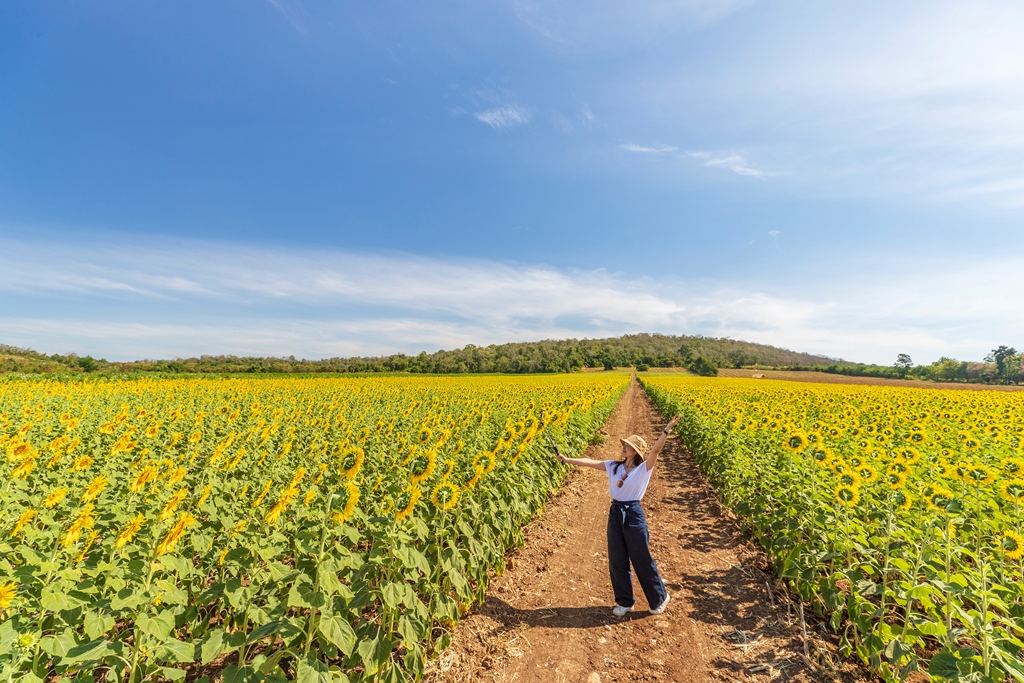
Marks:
<point>548,618</point>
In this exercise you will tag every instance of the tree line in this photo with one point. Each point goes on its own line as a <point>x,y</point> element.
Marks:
<point>1003,365</point>
<point>702,355</point>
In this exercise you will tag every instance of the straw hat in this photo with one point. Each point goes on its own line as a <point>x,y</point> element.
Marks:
<point>638,444</point>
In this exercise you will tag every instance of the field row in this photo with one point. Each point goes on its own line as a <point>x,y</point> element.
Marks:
<point>898,514</point>
<point>325,529</point>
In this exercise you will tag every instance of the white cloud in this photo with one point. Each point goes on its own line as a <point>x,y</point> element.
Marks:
<point>661,149</point>
<point>918,100</point>
<point>733,162</point>
<point>508,116</point>
<point>180,298</point>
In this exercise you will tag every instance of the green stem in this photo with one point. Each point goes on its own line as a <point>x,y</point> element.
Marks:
<point>137,644</point>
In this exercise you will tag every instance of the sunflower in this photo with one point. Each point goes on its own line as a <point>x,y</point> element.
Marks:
<point>899,467</point>
<point>447,467</point>
<point>94,489</point>
<point>263,493</point>
<point>847,495</point>
<point>796,441</point>
<point>424,434</point>
<point>867,473</point>
<point>960,470</point>
<point>896,480</point>
<point>126,536</point>
<point>351,462</point>
<point>410,496</point>
<point>24,469</point>
<point>902,499</point>
<point>840,466</point>
<point>980,474</point>
<point>171,506</point>
<point>144,476</point>
<point>8,591</point>
<point>203,496</point>
<point>84,520</point>
<point>24,519</point>
<point>1013,466</point>
<point>1012,490</point>
<point>939,498</point>
<point>478,473</point>
<point>283,501</point>
<point>850,478</point>
<point>55,497</point>
<point>170,541</point>
<point>422,467</point>
<point>907,454</point>
<point>821,455</point>
<point>1012,545</point>
<point>351,498</point>
<point>445,495</point>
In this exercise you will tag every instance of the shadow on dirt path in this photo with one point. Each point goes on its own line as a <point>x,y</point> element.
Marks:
<point>548,618</point>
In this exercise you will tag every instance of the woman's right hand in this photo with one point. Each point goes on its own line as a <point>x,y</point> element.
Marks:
<point>561,458</point>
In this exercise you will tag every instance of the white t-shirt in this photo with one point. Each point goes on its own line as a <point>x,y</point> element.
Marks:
<point>634,484</point>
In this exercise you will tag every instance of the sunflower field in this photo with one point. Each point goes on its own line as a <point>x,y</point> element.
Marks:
<point>318,529</point>
<point>896,513</point>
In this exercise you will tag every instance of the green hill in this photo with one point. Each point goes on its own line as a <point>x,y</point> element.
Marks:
<point>567,355</point>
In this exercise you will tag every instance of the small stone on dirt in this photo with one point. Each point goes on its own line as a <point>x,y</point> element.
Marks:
<point>594,677</point>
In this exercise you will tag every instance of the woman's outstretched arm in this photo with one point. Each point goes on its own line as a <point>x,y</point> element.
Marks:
<point>652,457</point>
<point>581,462</point>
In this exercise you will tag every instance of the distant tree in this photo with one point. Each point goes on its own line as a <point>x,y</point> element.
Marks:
<point>87,363</point>
<point>903,364</point>
<point>948,370</point>
<point>702,366</point>
<point>1004,358</point>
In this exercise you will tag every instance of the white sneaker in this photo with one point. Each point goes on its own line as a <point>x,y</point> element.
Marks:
<point>621,611</point>
<point>661,608</point>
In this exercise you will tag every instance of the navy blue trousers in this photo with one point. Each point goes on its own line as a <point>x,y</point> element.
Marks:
<point>629,541</point>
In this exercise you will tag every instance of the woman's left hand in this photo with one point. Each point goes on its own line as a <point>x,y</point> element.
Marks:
<point>672,422</point>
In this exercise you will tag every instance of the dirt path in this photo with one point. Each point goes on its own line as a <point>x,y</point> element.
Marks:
<point>548,618</point>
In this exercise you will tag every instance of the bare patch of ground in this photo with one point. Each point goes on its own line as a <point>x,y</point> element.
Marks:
<point>548,618</point>
<point>829,378</point>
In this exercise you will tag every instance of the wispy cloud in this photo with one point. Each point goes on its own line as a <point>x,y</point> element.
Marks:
<point>732,162</point>
<point>508,116</point>
<point>293,11</point>
<point>167,299</point>
<point>919,100</point>
<point>661,149</point>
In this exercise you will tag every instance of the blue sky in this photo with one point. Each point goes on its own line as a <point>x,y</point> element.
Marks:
<point>320,178</point>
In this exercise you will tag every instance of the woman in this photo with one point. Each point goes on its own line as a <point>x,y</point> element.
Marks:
<point>628,538</point>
